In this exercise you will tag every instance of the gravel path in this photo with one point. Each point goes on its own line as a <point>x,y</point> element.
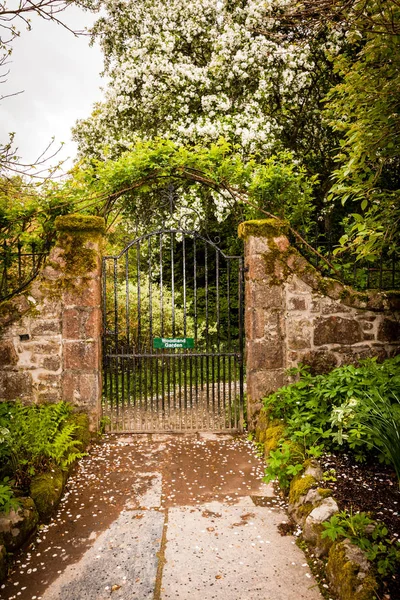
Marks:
<point>165,517</point>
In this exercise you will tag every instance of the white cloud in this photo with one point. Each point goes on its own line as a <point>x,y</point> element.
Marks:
<point>59,74</point>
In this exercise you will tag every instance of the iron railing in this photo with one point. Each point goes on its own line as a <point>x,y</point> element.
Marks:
<point>19,265</point>
<point>383,273</point>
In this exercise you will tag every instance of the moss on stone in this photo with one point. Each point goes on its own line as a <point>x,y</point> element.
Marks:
<point>272,437</point>
<point>262,228</point>
<point>346,578</point>
<point>280,264</point>
<point>324,492</point>
<point>304,510</point>
<point>13,309</point>
<point>76,222</point>
<point>46,490</point>
<point>260,436</point>
<point>82,432</point>
<point>353,296</point>
<point>17,526</point>
<point>79,259</point>
<point>262,420</point>
<point>299,486</point>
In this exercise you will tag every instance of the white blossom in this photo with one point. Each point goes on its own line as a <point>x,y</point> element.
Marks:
<point>192,72</point>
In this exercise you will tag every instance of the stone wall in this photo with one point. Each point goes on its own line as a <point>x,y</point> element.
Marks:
<point>50,335</point>
<point>294,315</point>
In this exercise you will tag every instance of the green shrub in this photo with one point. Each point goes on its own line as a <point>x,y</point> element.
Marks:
<point>327,409</point>
<point>33,438</point>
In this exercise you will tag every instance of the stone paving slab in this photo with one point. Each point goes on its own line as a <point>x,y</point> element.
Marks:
<point>122,563</point>
<point>216,551</point>
<point>165,517</point>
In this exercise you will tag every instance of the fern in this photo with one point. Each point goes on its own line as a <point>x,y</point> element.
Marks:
<point>35,437</point>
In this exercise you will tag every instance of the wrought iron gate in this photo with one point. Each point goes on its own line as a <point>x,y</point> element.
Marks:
<point>173,335</point>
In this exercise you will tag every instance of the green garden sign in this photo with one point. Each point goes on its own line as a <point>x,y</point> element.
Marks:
<point>173,342</point>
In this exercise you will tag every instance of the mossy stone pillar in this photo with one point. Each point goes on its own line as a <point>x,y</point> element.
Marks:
<point>78,256</point>
<point>264,243</point>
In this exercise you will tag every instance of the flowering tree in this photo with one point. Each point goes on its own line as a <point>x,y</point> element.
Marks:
<point>197,71</point>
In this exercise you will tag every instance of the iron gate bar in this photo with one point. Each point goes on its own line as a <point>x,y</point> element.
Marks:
<point>148,389</point>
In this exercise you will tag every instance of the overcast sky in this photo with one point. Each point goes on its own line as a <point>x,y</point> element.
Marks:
<point>59,74</point>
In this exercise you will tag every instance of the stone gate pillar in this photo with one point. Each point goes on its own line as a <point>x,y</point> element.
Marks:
<point>79,255</point>
<point>264,310</point>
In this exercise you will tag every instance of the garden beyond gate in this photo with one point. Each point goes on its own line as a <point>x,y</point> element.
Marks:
<point>173,335</point>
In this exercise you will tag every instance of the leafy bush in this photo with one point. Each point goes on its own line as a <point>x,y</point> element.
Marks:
<point>32,438</point>
<point>352,407</point>
<point>7,499</point>
<point>287,460</point>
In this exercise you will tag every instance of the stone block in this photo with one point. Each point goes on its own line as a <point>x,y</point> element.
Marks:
<point>82,355</point>
<point>50,306</point>
<point>46,379</point>
<point>48,397</point>
<point>297,303</point>
<point>389,330</point>
<point>8,355</point>
<point>42,346</point>
<point>337,330</point>
<point>16,527</point>
<point>83,390</point>
<point>315,304</point>
<point>296,286</point>
<point>256,268</point>
<point>51,363</point>
<point>15,384</point>
<point>261,295</point>
<point>320,361</point>
<point>255,323</point>
<point>352,355</point>
<point>46,490</point>
<point>12,310</point>
<point>264,356</point>
<point>81,324</point>
<point>263,323</point>
<point>314,469</point>
<point>368,336</point>
<point>46,327</point>
<point>350,573</point>
<point>262,383</point>
<point>83,292</point>
<point>282,243</point>
<point>299,334</point>
<point>256,245</point>
<point>52,272</point>
<point>329,307</point>
<point>313,525</point>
